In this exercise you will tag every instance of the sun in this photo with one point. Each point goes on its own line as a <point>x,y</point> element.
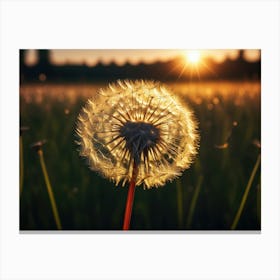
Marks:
<point>193,57</point>
<point>193,63</point>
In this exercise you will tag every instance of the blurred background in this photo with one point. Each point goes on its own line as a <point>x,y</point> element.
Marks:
<point>223,87</point>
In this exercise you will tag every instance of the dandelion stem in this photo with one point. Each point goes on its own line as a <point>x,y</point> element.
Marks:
<point>130,198</point>
<point>21,164</point>
<point>194,200</point>
<point>245,195</point>
<point>49,189</point>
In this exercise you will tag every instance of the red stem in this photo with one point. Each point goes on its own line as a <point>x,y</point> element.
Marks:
<point>130,199</point>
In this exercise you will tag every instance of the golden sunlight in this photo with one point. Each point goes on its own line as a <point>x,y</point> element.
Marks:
<point>193,63</point>
<point>193,57</point>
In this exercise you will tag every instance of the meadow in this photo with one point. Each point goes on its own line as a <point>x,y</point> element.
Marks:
<point>207,195</point>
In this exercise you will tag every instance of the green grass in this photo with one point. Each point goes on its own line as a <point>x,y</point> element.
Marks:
<point>86,201</point>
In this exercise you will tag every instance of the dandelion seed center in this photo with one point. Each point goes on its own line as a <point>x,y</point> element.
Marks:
<point>139,137</point>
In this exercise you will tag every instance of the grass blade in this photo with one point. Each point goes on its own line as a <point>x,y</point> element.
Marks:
<point>245,195</point>
<point>259,202</point>
<point>194,201</point>
<point>49,189</point>
<point>21,164</point>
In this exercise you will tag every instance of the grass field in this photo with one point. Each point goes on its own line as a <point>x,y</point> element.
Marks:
<point>206,197</point>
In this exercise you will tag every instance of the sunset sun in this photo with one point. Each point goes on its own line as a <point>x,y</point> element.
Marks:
<point>192,63</point>
<point>193,57</point>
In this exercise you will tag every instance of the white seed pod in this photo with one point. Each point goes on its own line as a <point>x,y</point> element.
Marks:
<point>137,123</point>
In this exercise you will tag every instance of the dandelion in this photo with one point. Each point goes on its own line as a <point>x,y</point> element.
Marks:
<point>137,132</point>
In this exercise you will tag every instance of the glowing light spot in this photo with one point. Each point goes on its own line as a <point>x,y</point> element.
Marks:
<point>198,100</point>
<point>193,57</point>
<point>223,146</point>
<point>42,77</point>
<point>216,100</point>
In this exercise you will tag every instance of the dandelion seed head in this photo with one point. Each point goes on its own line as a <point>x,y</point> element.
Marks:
<point>38,145</point>
<point>141,123</point>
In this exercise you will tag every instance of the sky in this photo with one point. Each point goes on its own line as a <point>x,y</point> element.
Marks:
<point>120,57</point>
